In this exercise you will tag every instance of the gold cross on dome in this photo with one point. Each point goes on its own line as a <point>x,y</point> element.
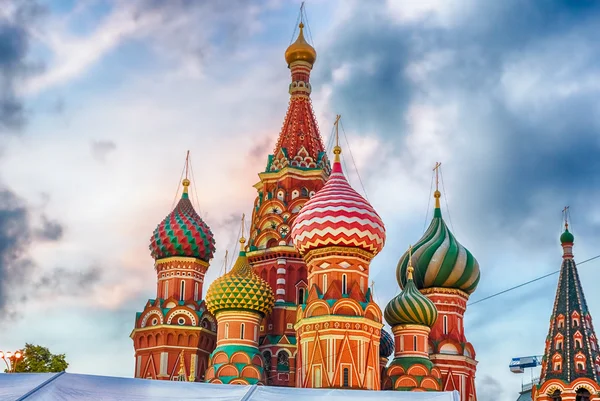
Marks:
<point>437,178</point>
<point>565,213</point>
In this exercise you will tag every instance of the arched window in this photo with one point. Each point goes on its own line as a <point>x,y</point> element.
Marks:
<point>445,324</point>
<point>580,366</point>
<point>196,287</point>
<point>242,329</point>
<point>344,284</point>
<point>582,395</point>
<point>283,362</point>
<point>555,396</point>
<point>577,343</point>
<point>300,295</point>
<point>304,192</point>
<point>267,356</point>
<point>226,330</point>
<point>346,377</point>
<point>324,283</point>
<point>255,333</point>
<point>182,294</point>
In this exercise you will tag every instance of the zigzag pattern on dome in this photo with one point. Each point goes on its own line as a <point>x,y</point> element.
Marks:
<point>337,215</point>
<point>183,233</point>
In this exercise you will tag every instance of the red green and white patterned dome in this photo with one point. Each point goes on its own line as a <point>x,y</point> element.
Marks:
<point>337,215</point>
<point>183,233</point>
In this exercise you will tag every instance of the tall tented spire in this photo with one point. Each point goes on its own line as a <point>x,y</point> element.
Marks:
<point>571,356</point>
<point>300,144</point>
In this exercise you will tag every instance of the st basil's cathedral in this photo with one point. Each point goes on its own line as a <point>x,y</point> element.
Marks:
<point>296,309</point>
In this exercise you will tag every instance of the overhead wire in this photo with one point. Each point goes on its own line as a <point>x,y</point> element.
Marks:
<point>527,282</point>
<point>197,198</point>
<point>177,189</point>
<point>429,201</point>
<point>446,199</point>
<point>353,162</point>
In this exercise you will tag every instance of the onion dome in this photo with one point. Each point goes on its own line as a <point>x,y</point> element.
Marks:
<point>439,259</point>
<point>410,306</point>
<point>386,344</point>
<point>567,237</point>
<point>300,50</point>
<point>183,233</point>
<point>337,215</point>
<point>240,289</point>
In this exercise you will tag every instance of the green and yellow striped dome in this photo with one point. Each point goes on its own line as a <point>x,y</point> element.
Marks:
<point>440,260</point>
<point>240,289</point>
<point>410,306</point>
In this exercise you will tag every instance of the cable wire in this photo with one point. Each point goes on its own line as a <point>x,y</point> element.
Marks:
<point>353,162</point>
<point>177,189</point>
<point>429,202</point>
<point>446,200</point>
<point>527,282</point>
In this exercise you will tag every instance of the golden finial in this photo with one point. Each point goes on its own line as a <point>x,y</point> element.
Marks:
<point>242,239</point>
<point>437,193</point>
<point>337,150</point>
<point>300,50</point>
<point>186,181</point>
<point>409,268</point>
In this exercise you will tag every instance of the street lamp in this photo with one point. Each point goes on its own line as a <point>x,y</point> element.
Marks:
<point>11,359</point>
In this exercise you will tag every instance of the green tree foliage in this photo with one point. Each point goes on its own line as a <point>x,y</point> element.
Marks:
<point>38,359</point>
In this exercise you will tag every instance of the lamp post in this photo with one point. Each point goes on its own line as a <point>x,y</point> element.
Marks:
<point>11,359</point>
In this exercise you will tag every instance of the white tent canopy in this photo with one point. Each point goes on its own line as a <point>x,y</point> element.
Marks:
<point>70,386</point>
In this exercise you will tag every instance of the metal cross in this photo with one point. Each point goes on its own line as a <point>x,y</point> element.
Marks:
<point>436,169</point>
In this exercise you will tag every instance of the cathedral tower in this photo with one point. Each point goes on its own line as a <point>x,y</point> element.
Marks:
<point>174,334</point>
<point>571,362</point>
<point>339,327</point>
<point>295,171</point>
<point>447,273</point>
<point>411,316</point>
<point>239,300</point>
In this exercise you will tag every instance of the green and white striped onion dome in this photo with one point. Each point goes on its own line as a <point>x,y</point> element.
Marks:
<point>440,260</point>
<point>410,306</point>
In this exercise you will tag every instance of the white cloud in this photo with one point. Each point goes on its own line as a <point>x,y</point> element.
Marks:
<point>443,13</point>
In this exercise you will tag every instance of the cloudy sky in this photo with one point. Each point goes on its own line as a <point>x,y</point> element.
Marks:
<point>101,99</point>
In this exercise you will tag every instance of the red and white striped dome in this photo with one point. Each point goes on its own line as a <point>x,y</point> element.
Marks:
<point>338,216</point>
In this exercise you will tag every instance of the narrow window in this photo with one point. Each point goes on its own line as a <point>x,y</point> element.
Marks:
<point>346,377</point>
<point>300,295</point>
<point>344,284</point>
<point>324,283</point>
<point>166,292</point>
<point>242,330</point>
<point>255,333</point>
<point>415,343</point>
<point>577,343</point>
<point>317,376</point>
<point>226,330</point>
<point>445,324</point>
<point>182,295</point>
<point>196,291</point>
